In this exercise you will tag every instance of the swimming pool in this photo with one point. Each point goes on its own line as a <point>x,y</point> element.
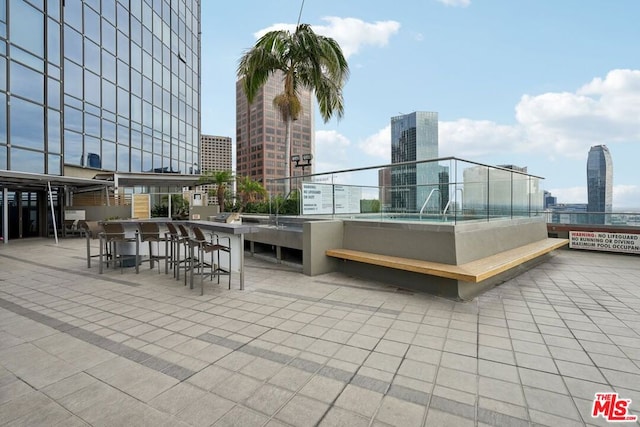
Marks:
<point>425,218</point>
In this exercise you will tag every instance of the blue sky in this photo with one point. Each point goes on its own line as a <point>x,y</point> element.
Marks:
<point>534,83</point>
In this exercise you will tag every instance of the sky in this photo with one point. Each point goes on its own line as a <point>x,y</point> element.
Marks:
<point>532,83</point>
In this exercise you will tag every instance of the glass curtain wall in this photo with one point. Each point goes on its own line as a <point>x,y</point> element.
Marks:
<point>127,99</point>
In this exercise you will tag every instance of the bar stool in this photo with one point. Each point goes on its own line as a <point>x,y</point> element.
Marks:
<point>172,247</point>
<point>150,232</point>
<point>113,235</point>
<point>225,246</point>
<point>92,230</point>
<point>204,246</point>
<point>188,254</point>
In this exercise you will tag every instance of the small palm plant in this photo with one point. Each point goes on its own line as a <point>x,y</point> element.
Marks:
<point>249,190</point>
<point>220,179</point>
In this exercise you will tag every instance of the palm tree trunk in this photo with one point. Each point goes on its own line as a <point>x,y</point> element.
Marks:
<point>287,157</point>
<point>220,197</point>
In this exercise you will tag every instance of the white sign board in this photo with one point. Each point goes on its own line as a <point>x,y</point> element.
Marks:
<point>74,214</point>
<point>317,198</point>
<point>196,199</point>
<point>603,241</point>
<point>329,199</point>
<point>347,199</point>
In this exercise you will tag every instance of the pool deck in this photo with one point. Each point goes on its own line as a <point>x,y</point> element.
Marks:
<point>78,348</point>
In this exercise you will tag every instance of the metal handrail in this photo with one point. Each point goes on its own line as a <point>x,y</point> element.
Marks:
<point>446,207</point>
<point>427,201</point>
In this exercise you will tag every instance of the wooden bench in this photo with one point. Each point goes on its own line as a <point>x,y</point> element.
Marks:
<point>474,271</point>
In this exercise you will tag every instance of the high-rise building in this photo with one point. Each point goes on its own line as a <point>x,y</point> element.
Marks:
<point>384,185</point>
<point>514,167</point>
<point>215,156</point>
<point>549,199</point>
<point>599,184</point>
<point>215,153</point>
<point>260,134</point>
<point>414,137</point>
<point>94,86</point>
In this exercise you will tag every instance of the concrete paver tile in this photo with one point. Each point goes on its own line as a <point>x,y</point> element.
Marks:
<point>302,411</point>
<point>398,412</point>
<point>438,418</point>
<point>291,378</point>
<point>237,387</point>
<point>338,417</point>
<point>501,390</point>
<point>360,400</point>
<point>69,385</point>
<point>240,416</point>
<point>268,399</point>
<point>12,390</point>
<point>177,398</point>
<point>458,380</point>
<point>205,411</point>
<point>551,403</point>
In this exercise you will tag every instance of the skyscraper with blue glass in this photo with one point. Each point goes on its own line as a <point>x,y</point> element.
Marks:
<point>414,137</point>
<point>599,184</point>
<point>91,86</point>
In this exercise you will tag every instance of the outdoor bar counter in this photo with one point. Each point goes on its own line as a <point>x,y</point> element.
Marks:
<point>234,231</point>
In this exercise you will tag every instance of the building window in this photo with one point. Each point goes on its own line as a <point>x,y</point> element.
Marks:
<point>27,161</point>
<point>27,27</point>
<point>27,124</point>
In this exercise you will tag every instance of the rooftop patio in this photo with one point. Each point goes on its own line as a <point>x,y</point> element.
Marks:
<point>79,348</point>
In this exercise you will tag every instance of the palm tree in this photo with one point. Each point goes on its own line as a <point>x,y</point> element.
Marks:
<point>307,60</point>
<point>220,179</point>
<point>249,190</point>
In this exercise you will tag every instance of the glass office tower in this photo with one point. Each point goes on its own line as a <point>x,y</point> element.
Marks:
<point>414,137</point>
<point>104,85</point>
<point>599,185</point>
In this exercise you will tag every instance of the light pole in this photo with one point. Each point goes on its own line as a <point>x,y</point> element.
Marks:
<point>302,161</point>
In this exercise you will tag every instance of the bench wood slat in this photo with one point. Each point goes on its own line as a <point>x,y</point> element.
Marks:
<point>474,271</point>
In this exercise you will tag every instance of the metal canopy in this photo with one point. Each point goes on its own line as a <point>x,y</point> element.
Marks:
<point>149,179</point>
<point>39,181</point>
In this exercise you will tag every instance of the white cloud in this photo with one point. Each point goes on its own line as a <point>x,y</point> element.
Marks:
<point>351,33</point>
<point>275,27</point>
<point>602,111</point>
<point>560,124</point>
<point>331,151</point>
<point>460,3</point>
<point>378,144</point>
<point>626,196</point>
<point>471,138</point>
<point>570,194</point>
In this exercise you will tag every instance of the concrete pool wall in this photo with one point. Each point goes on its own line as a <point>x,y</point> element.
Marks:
<point>446,243</point>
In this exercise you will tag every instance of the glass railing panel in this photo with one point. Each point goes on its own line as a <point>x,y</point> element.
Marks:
<point>475,180</point>
<point>521,190</point>
<point>500,187</point>
<point>562,216</point>
<point>536,196</point>
<point>441,190</point>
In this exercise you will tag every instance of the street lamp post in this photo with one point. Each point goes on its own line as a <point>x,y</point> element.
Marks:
<point>302,161</point>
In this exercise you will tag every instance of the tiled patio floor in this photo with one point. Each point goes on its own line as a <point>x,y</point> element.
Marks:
<point>79,348</point>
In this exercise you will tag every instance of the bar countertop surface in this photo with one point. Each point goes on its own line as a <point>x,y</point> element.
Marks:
<point>221,227</point>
